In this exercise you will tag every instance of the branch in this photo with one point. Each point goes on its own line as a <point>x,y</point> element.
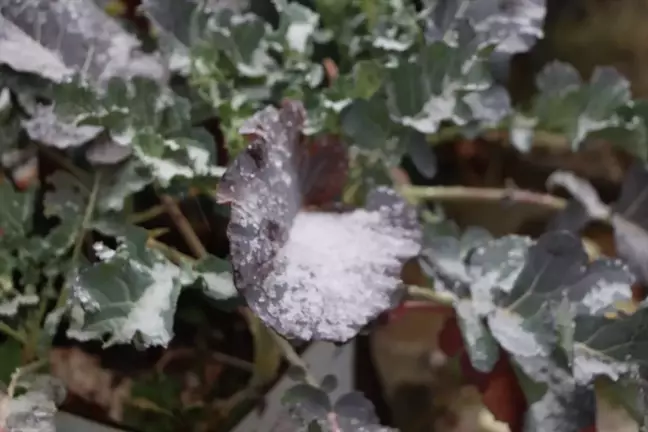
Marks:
<point>184,226</point>
<point>12,333</point>
<point>470,194</point>
<point>78,244</point>
<point>20,372</point>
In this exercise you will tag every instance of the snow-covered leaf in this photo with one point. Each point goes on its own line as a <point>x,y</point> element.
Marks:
<point>627,216</point>
<point>128,296</point>
<point>577,109</point>
<point>445,258</point>
<point>309,274</point>
<point>312,407</point>
<point>9,306</point>
<point>512,25</point>
<point>80,36</point>
<point>216,278</point>
<point>23,54</point>
<point>424,92</point>
<point>35,410</point>
<point>297,23</point>
<point>129,178</point>
<point>630,220</point>
<point>583,191</point>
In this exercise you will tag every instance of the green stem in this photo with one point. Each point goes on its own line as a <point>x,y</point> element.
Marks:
<point>471,194</point>
<point>431,295</point>
<point>148,214</point>
<point>292,357</point>
<point>12,333</point>
<point>78,245</point>
<point>171,253</point>
<point>501,134</point>
<point>81,175</point>
<point>22,371</point>
<point>184,226</point>
<point>35,327</point>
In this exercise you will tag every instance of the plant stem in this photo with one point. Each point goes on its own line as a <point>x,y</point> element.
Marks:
<point>12,333</point>
<point>148,214</point>
<point>293,358</point>
<point>81,175</point>
<point>78,245</point>
<point>20,372</point>
<point>35,327</point>
<point>172,254</point>
<point>184,226</point>
<point>430,294</point>
<point>470,194</point>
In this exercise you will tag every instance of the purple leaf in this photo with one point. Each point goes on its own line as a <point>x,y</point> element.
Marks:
<point>310,274</point>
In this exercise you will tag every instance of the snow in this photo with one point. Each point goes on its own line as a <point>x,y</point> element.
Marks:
<point>333,273</point>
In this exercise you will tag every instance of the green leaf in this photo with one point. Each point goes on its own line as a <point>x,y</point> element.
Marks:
<point>312,402</point>
<point>128,179</point>
<point>444,259</point>
<point>129,296</point>
<point>216,278</point>
<point>568,106</point>
<point>297,23</point>
<point>94,44</point>
<point>420,152</point>
<point>627,216</point>
<point>65,197</point>
<point>367,123</point>
<point>15,213</point>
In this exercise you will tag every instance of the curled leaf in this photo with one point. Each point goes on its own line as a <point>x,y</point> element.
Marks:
<point>583,191</point>
<point>309,274</point>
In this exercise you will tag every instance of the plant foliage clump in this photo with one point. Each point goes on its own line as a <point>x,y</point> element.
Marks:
<point>316,106</point>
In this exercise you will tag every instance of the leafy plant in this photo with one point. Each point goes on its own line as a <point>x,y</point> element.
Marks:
<point>317,106</point>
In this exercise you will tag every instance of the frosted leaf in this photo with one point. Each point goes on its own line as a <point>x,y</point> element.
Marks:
<point>630,220</point>
<point>215,276</point>
<point>351,412</point>
<point>83,38</point>
<point>107,152</point>
<point>513,25</point>
<point>297,23</point>
<point>564,407</point>
<point>182,158</point>
<point>628,216</point>
<point>44,127</point>
<point>23,54</point>
<point>334,273</point>
<point>35,410</point>
<point>128,179</point>
<point>309,274</point>
<point>612,347</point>
<point>129,296</point>
<point>9,307</point>
<point>180,24</point>
<point>583,191</point>
<point>578,109</point>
